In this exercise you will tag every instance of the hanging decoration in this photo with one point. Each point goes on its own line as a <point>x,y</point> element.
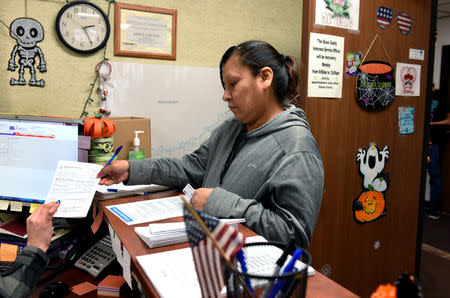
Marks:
<point>89,99</point>
<point>384,17</point>
<point>27,32</point>
<point>404,22</point>
<point>370,204</point>
<point>375,86</point>
<point>103,70</point>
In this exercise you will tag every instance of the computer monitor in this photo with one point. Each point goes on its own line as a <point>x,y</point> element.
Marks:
<point>30,148</point>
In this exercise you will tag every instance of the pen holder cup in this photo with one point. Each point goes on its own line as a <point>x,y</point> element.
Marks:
<point>260,259</point>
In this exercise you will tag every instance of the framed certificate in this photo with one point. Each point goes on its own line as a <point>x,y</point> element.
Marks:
<point>142,31</point>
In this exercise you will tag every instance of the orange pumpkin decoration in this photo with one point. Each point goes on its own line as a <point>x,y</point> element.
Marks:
<point>385,291</point>
<point>369,206</point>
<point>99,127</point>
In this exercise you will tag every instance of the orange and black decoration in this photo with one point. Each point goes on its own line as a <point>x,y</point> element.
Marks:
<point>371,204</point>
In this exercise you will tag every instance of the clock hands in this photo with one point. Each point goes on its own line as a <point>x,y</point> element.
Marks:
<point>84,29</point>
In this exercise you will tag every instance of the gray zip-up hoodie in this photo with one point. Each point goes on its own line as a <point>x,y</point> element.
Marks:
<point>271,176</point>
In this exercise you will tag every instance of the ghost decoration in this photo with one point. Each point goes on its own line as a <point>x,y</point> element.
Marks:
<point>370,204</point>
<point>27,32</point>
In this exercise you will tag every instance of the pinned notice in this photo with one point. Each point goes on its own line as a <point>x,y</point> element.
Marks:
<point>325,67</point>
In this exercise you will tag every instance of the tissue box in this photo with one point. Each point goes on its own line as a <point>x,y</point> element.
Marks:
<point>124,135</point>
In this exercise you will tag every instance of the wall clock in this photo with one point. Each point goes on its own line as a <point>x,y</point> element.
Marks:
<point>82,27</point>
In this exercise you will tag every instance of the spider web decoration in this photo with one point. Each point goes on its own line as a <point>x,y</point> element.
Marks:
<point>375,92</point>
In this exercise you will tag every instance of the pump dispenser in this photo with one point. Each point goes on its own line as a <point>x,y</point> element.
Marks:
<point>138,152</point>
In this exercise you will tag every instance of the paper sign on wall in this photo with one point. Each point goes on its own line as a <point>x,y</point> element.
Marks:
<point>405,120</point>
<point>407,79</point>
<point>352,63</point>
<point>325,65</point>
<point>338,13</point>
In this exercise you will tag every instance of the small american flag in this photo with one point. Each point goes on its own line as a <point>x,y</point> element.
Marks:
<point>207,259</point>
<point>384,16</point>
<point>404,22</point>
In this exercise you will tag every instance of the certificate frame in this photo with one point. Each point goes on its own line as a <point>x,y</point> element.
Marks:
<point>143,31</point>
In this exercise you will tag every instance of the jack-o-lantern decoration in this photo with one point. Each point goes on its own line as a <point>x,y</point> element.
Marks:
<point>371,203</point>
<point>99,127</point>
<point>369,206</point>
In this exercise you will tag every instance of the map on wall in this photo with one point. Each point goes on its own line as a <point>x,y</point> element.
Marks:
<point>338,13</point>
<point>184,103</point>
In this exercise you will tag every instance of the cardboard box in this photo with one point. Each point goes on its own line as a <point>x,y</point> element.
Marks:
<point>124,135</point>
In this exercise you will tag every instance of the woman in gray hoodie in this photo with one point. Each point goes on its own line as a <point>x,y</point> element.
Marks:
<point>262,165</point>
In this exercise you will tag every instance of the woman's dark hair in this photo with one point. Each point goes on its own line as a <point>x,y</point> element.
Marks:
<point>257,54</point>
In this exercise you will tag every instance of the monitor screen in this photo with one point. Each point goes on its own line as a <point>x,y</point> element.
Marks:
<point>30,147</point>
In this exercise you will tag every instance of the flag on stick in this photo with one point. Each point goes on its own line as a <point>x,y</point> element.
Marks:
<point>219,240</point>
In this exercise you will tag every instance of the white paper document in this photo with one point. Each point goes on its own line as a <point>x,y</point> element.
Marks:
<point>74,185</point>
<point>172,273</point>
<point>150,210</point>
<point>121,190</point>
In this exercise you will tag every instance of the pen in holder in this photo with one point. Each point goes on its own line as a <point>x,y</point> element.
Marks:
<point>264,276</point>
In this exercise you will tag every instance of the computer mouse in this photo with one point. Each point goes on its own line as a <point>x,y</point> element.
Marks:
<point>55,289</point>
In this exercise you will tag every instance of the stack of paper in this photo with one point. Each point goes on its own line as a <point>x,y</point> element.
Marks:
<point>110,286</point>
<point>121,190</point>
<point>162,234</point>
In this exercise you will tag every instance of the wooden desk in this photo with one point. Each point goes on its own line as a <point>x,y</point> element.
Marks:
<point>318,285</point>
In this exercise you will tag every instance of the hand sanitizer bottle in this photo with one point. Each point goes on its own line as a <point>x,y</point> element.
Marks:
<point>138,152</point>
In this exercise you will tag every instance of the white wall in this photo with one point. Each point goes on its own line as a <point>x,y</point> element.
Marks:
<point>443,27</point>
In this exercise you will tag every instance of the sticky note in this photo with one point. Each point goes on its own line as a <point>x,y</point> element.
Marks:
<point>4,205</point>
<point>8,252</point>
<point>33,206</point>
<point>83,288</point>
<point>16,206</point>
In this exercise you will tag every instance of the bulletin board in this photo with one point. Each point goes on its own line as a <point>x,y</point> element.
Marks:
<point>184,103</point>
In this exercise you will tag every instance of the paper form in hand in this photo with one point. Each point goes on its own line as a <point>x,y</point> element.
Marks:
<point>74,184</point>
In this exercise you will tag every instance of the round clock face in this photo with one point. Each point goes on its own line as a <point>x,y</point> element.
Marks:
<point>82,27</point>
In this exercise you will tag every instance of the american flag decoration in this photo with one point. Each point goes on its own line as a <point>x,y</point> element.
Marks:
<point>384,17</point>
<point>404,22</point>
<point>207,259</point>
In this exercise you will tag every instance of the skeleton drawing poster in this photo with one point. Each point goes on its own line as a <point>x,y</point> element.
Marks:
<point>407,79</point>
<point>27,32</point>
<point>371,204</point>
